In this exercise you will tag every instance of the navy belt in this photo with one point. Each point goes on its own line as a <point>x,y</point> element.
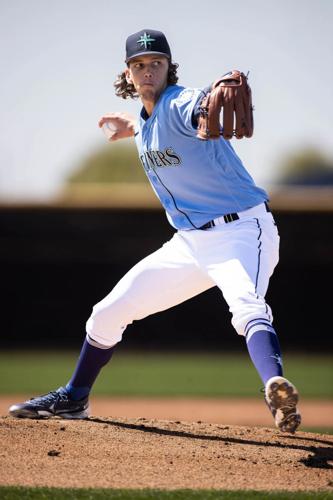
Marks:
<point>227,218</point>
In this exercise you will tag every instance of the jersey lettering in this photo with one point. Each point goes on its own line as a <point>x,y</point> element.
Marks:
<point>163,158</point>
<point>155,158</point>
<point>176,158</point>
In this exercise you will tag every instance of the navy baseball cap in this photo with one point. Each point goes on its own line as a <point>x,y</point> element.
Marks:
<point>147,42</point>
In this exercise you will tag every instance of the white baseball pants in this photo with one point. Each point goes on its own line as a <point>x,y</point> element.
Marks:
<point>239,257</point>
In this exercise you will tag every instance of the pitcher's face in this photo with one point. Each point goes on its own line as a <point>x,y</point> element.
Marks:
<point>148,74</point>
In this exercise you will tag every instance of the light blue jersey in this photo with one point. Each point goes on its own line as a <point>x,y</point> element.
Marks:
<point>195,180</point>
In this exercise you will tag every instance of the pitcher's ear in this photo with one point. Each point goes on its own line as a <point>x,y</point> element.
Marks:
<point>127,76</point>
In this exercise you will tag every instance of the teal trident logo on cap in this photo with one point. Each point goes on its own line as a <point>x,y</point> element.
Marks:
<point>145,40</point>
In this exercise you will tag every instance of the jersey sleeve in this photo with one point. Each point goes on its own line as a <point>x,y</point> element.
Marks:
<point>185,109</point>
<point>196,109</point>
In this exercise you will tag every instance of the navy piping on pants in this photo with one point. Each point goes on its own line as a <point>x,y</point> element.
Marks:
<point>259,252</point>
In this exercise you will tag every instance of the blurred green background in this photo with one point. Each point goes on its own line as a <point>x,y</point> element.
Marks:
<point>164,374</point>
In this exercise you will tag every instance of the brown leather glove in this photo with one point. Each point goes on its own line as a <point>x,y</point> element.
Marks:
<point>233,93</point>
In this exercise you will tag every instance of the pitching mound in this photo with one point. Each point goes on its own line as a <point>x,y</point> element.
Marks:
<point>141,453</point>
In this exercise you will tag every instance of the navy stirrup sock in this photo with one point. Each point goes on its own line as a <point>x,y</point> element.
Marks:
<point>91,361</point>
<point>264,349</point>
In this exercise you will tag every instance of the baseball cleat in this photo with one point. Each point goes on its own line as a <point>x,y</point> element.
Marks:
<point>54,404</point>
<point>282,398</point>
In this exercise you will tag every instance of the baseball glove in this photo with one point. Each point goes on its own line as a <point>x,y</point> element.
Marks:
<point>232,93</point>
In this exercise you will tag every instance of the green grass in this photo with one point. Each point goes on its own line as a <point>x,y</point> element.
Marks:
<point>178,375</point>
<point>20,493</point>
<point>318,430</point>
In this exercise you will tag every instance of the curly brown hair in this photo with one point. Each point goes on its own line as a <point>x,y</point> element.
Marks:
<point>125,89</point>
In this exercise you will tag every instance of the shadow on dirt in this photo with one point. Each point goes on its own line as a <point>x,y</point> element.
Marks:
<point>319,457</point>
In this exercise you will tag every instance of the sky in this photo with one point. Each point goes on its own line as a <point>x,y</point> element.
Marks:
<point>59,61</point>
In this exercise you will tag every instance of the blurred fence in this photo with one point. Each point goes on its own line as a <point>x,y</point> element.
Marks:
<point>56,262</point>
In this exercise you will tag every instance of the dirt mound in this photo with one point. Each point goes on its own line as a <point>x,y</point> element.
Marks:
<point>141,453</point>
<point>224,411</point>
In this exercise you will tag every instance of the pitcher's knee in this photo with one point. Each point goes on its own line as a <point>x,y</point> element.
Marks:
<point>247,313</point>
<point>108,322</point>
<point>108,337</point>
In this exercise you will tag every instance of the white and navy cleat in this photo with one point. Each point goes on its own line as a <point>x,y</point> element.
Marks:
<point>54,404</point>
<point>282,397</point>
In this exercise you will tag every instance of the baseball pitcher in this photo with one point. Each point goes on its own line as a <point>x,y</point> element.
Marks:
<point>225,234</point>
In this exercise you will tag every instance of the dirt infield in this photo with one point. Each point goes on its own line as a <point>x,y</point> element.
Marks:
<point>168,443</point>
<point>141,453</point>
<point>233,411</point>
